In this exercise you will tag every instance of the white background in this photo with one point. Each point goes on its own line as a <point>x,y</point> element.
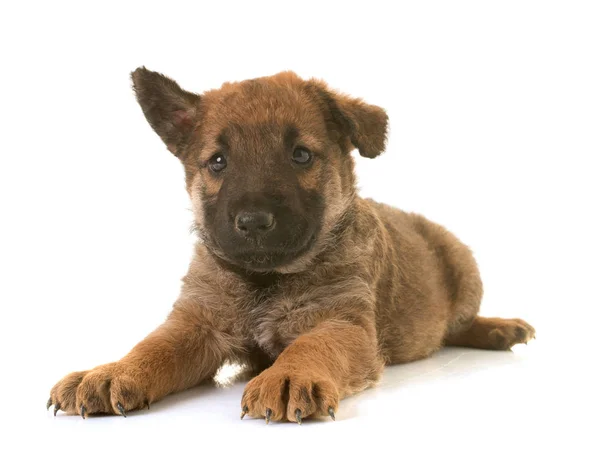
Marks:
<point>495,133</point>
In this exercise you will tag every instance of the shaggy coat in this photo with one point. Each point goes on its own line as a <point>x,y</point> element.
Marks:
<point>295,276</point>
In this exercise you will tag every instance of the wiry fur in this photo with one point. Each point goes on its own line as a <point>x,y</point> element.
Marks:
<point>373,286</point>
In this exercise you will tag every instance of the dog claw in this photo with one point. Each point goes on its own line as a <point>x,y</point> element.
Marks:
<point>56,408</point>
<point>49,403</point>
<point>83,411</point>
<point>147,404</point>
<point>331,413</point>
<point>268,414</point>
<point>298,416</point>
<point>244,412</point>
<point>121,409</point>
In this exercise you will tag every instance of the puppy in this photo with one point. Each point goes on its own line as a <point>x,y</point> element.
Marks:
<point>295,276</point>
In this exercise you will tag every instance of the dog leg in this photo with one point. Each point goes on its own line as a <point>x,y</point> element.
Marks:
<point>311,376</point>
<point>179,354</point>
<point>493,334</point>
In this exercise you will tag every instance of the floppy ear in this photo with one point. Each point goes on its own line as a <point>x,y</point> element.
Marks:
<point>356,122</point>
<point>170,110</point>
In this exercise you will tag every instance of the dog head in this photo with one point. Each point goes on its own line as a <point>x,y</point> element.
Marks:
<point>267,161</point>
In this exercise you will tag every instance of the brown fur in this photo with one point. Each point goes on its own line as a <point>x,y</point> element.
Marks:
<point>373,285</point>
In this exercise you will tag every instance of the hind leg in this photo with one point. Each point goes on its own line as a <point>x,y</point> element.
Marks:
<point>493,334</point>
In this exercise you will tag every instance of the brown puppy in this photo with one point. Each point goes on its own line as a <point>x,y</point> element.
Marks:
<point>295,275</point>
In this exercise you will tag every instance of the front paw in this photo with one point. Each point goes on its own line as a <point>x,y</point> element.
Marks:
<point>111,389</point>
<point>284,393</point>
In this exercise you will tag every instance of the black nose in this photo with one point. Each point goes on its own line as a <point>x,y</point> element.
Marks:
<point>254,222</point>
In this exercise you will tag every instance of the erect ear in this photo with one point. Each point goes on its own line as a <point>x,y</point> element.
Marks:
<point>354,121</point>
<point>170,110</point>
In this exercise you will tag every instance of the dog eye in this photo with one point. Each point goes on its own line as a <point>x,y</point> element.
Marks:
<point>301,156</point>
<point>217,163</point>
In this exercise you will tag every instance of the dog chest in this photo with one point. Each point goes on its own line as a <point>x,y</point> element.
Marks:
<point>275,322</point>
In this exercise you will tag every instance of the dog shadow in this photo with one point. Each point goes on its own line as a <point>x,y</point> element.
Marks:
<point>453,362</point>
<point>447,364</point>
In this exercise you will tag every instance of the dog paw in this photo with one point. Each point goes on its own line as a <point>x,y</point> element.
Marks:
<point>108,389</point>
<point>511,332</point>
<point>281,394</point>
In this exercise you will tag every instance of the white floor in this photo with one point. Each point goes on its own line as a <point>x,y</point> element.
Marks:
<point>461,402</point>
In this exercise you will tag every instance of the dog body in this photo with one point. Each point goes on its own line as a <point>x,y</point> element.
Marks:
<point>295,276</point>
